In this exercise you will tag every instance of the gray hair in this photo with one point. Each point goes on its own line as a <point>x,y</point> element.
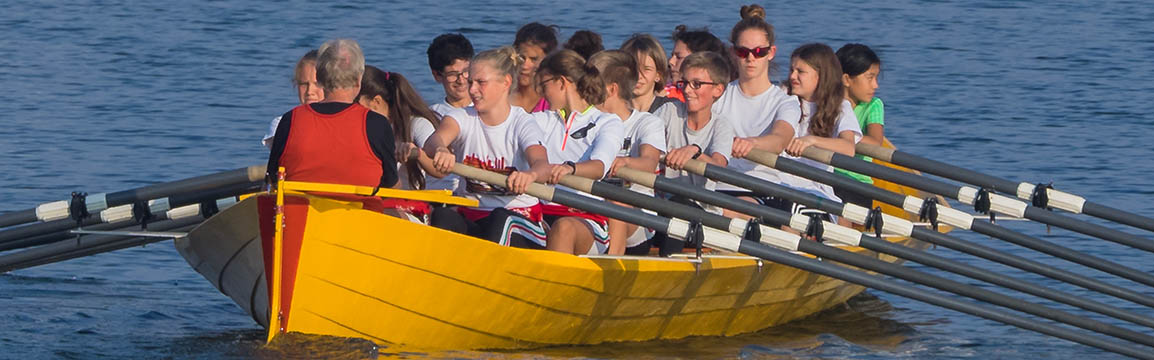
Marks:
<point>340,64</point>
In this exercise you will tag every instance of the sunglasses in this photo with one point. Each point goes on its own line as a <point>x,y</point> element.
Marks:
<point>743,52</point>
<point>695,84</point>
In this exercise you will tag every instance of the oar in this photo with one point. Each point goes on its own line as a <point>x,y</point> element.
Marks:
<point>101,241</point>
<point>93,203</point>
<point>678,228</point>
<point>1025,191</point>
<point>42,233</point>
<point>801,223</point>
<point>88,245</point>
<point>984,201</point>
<point>914,205</point>
<point>903,227</point>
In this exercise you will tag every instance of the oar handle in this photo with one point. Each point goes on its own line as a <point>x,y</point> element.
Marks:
<point>875,151</point>
<point>536,190</point>
<point>643,178</point>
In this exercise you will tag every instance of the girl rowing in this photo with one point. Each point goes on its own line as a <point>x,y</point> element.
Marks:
<point>764,116</point>
<point>643,144</point>
<point>827,119</point>
<point>651,80</point>
<point>497,136</point>
<point>581,140</point>
<point>533,42</point>
<point>390,94</point>
<point>860,68</point>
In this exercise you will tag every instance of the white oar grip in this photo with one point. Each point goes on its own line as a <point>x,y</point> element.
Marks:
<point>635,176</point>
<point>890,224</point>
<point>819,154</point>
<point>536,190</point>
<point>955,218</point>
<point>762,157</point>
<point>116,213</point>
<point>998,203</point>
<point>875,151</point>
<point>779,238</point>
<point>55,210</point>
<point>1058,199</point>
<point>714,238</point>
<point>830,231</point>
<point>183,212</point>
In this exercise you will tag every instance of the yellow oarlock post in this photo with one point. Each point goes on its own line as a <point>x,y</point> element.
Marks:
<point>278,239</point>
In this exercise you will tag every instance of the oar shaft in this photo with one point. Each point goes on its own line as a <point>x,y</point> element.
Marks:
<point>1025,191</point>
<point>966,195</point>
<point>732,243</point>
<point>857,277</point>
<point>36,234</point>
<point>97,202</point>
<point>778,217</point>
<point>985,228</point>
<point>767,188</point>
<point>86,245</point>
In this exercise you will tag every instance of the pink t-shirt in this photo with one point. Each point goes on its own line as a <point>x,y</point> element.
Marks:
<point>541,105</point>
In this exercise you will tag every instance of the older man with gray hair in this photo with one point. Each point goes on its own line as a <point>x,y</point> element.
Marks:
<point>336,140</point>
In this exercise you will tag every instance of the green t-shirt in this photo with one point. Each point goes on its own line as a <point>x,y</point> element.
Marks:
<point>871,112</point>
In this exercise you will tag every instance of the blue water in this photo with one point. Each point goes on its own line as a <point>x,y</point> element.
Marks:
<point>110,95</point>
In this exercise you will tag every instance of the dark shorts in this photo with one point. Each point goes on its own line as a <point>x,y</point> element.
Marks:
<point>502,226</point>
<point>778,203</point>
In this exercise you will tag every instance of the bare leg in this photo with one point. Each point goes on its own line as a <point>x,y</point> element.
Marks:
<point>619,232</point>
<point>569,235</point>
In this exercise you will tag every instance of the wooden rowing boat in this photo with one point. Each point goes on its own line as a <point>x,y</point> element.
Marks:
<point>356,273</point>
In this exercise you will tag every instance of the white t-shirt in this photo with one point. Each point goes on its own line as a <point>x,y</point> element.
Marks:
<point>754,116</point>
<point>673,111</point>
<point>847,121</point>
<point>267,140</point>
<point>642,128</point>
<point>444,107</point>
<point>498,148</point>
<point>715,137</point>
<point>590,135</point>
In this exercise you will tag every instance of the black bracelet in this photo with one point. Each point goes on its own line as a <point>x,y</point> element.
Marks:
<point>572,165</point>
<point>699,151</point>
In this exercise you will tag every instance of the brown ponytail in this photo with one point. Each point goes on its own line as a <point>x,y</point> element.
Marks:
<point>567,63</point>
<point>752,17</point>
<point>405,105</point>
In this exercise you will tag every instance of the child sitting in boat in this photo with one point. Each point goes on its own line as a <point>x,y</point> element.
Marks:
<point>493,135</point>
<point>686,42</point>
<point>827,118</point>
<point>653,73</point>
<point>308,91</point>
<point>533,42</point>
<point>704,135</point>
<point>860,68</point>
<point>581,140</point>
<point>643,144</point>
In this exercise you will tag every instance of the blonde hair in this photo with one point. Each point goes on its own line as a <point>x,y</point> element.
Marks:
<point>340,64</point>
<point>503,59</point>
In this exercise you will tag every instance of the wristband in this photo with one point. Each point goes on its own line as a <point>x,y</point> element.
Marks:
<point>572,165</point>
<point>699,151</point>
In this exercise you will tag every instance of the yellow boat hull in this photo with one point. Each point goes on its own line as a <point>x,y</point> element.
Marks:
<point>362,274</point>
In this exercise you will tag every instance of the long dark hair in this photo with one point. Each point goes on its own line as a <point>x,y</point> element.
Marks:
<point>856,59</point>
<point>405,104</point>
<point>830,91</point>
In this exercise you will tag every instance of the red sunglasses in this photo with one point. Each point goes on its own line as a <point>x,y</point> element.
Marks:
<point>743,52</point>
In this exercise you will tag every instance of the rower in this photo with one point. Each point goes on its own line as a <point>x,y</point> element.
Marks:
<point>860,68</point>
<point>336,141</point>
<point>497,136</point>
<point>308,92</point>
<point>581,140</point>
<point>533,42</point>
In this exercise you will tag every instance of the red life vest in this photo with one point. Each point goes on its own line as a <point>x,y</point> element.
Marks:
<point>330,148</point>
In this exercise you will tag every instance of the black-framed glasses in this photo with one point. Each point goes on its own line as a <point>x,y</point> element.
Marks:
<point>743,52</point>
<point>541,84</point>
<point>695,84</point>
<point>455,76</point>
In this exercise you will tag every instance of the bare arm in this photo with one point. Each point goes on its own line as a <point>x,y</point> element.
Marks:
<point>441,159</point>
<point>539,170</point>
<point>775,142</point>
<point>875,134</point>
<point>843,144</point>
